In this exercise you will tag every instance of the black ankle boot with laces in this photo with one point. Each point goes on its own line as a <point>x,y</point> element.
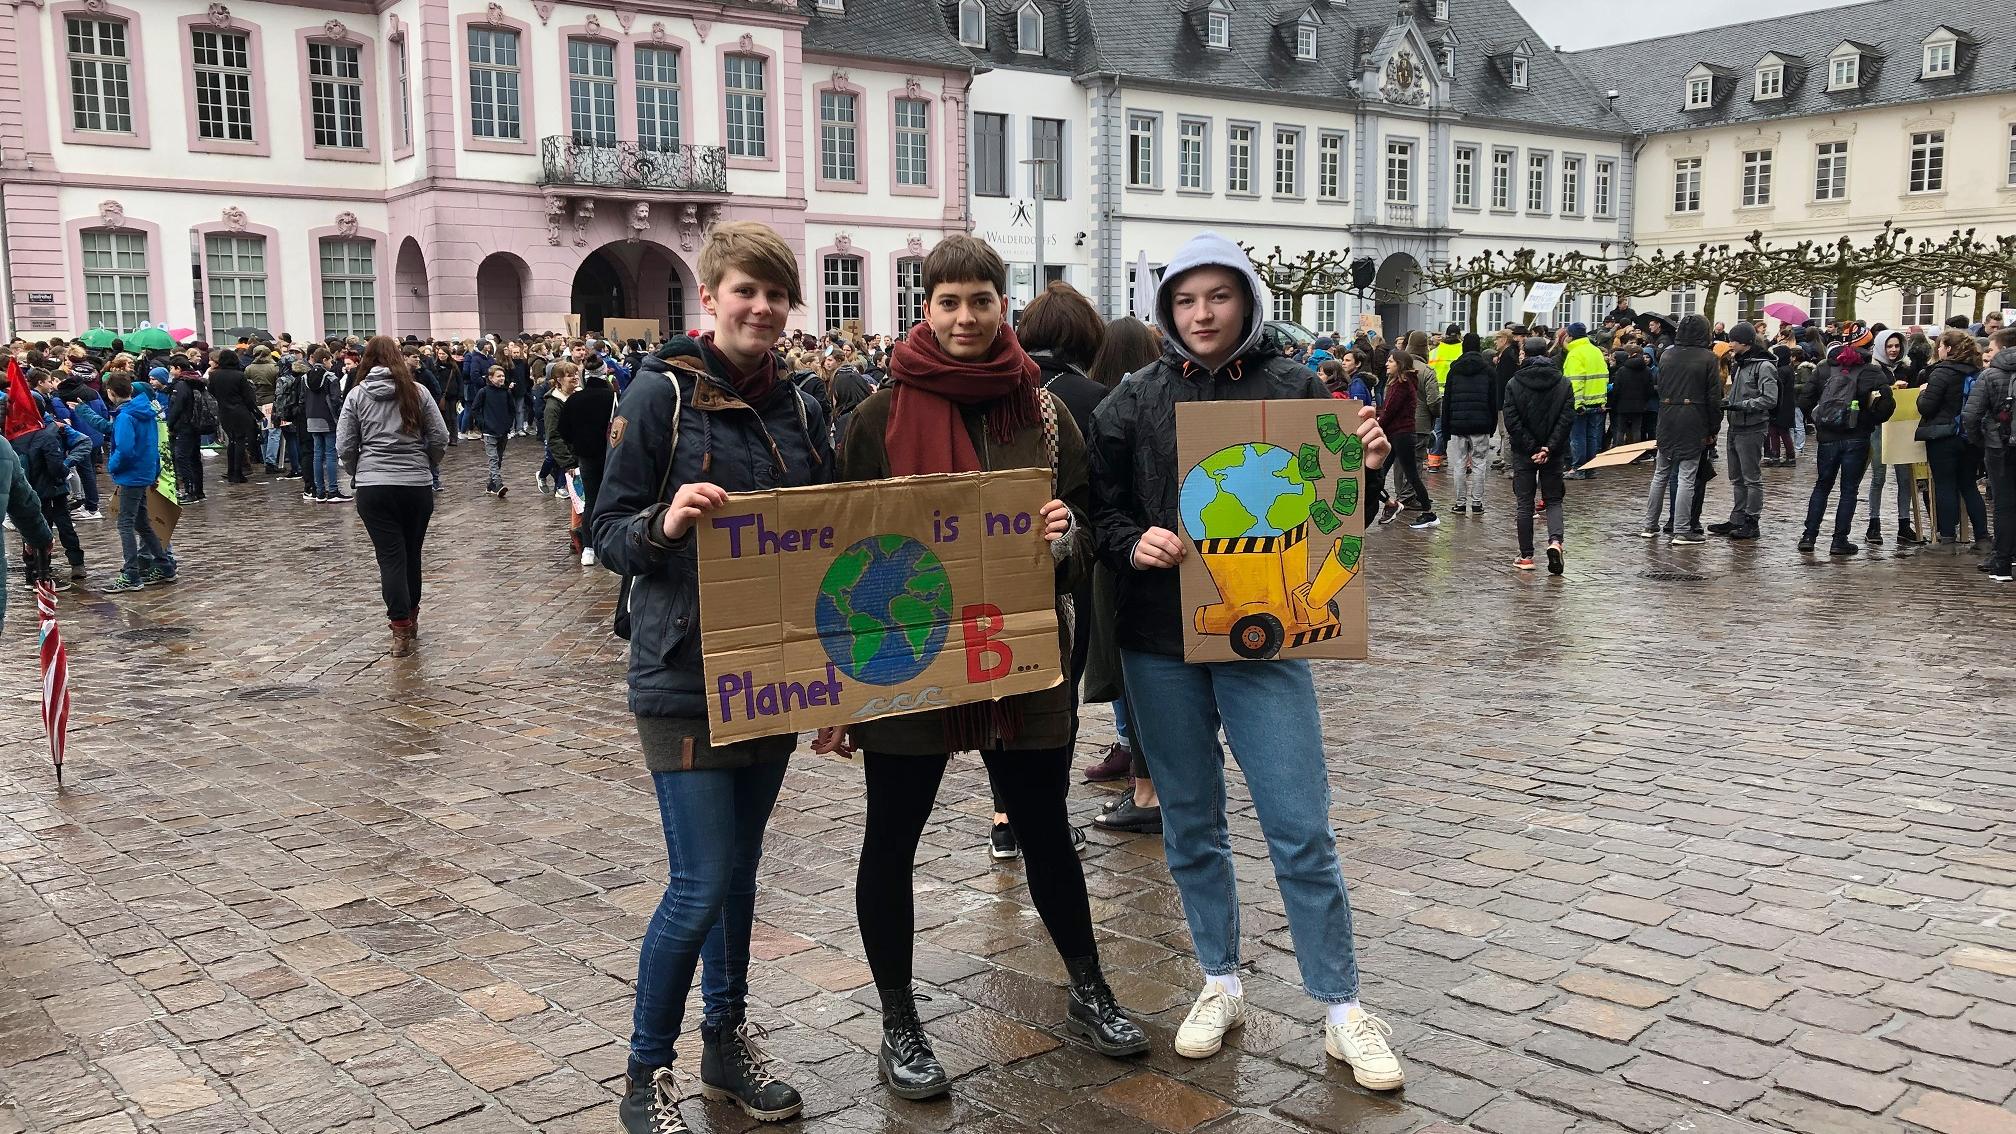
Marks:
<point>909,1067</point>
<point>733,1069</point>
<point>651,1105</point>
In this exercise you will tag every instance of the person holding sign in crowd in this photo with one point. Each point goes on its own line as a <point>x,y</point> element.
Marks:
<point>963,396</point>
<point>704,418</point>
<point>1209,301</point>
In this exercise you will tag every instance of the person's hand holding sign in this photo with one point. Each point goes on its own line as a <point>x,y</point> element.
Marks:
<point>1056,520</point>
<point>1160,547</point>
<point>1377,447</point>
<point>688,504</point>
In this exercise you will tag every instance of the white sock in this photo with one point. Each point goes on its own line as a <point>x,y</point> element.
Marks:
<point>1229,982</point>
<point>1337,1012</point>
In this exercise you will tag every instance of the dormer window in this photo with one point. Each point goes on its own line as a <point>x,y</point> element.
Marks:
<point>1770,81</point>
<point>1518,73</point>
<point>1305,39</point>
<point>1446,55</point>
<point>1029,30</point>
<point>1844,70</point>
<point>1441,11</point>
<point>1942,50</point>
<point>835,6</point>
<point>1218,28</point>
<point>972,23</point>
<point>1700,92</point>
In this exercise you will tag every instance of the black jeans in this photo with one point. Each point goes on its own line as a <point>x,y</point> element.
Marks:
<point>56,510</point>
<point>238,456</point>
<point>396,515</point>
<point>901,792</point>
<point>188,448</point>
<point>2002,475</point>
<point>1547,478</point>
<point>1955,465</point>
<point>1847,460</point>
<point>1400,463</point>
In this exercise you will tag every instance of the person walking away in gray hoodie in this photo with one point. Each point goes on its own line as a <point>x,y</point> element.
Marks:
<point>1753,395</point>
<point>390,437</point>
<point>1985,419</point>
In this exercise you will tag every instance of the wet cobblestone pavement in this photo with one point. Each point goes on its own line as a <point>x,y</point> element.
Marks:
<point>1627,854</point>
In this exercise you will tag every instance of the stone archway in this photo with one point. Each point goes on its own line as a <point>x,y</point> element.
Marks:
<point>411,301</point>
<point>501,281</point>
<point>1396,287</point>
<point>634,279</point>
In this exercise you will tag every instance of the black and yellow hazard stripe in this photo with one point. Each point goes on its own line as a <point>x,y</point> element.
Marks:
<point>1255,545</point>
<point>1319,634</point>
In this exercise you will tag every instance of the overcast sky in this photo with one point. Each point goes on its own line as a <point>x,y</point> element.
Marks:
<point>1576,24</point>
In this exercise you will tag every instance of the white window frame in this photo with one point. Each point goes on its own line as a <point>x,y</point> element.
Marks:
<point>1755,191</point>
<point>1822,303</point>
<point>972,23</point>
<point>1700,92</point>
<point>1918,306</point>
<point>1028,20</point>
<point>496,86</point>
<point>101,82</point>
<point>2011,182</point>
<point>1830,171</point>
<point>1218,30</point>
<point>336,94</point>
<point>1769,82</point>
<point>1941,57</point>
<point>1143,141</point>
<point>1571,186</point>
<point>1282,307</point>
<point>839,136</point>
<point>747,107</point>
<point>1539,181</point>
<point>1463,178</point>
<point>834,6</point>
<point>403,82</point>
<point>911,121</point>
<point>349,295</point>
<point>1503,161</point>
<point>1399,158</point>
<point>1288,161</point>
<point>120,275</point>
<point>1603,192</point>
<point>1047,178</point>
<point>1305,40</point>
<point>1844,71</point>
<point>1519,73</point>
<point>985,185</point>
<point>840,299</point>
<point>1193,142</point>
<point>1330,179</point>
<point>659,94</point>
<point>1686,185</point>
<point>591,91</point>
<point>1494,310</point>
<point>1685,300</point>
<point>1926,169</point>
<point>1239,158</point>
<point>1441,11</point>
<point>909,292</point>
<point>221,72</point>
<point>1326,312</point>
<point>234,281</point>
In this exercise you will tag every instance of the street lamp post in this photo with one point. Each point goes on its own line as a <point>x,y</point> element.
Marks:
<point>1036,165</point>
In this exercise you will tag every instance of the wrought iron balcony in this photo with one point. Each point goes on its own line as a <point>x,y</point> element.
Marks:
<point>633,165</point>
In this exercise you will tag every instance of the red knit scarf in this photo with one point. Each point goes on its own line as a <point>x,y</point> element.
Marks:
<point>926,433</point>
<point>754,385</point>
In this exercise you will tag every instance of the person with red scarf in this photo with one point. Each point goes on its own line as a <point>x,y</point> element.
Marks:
<point>963,396</point>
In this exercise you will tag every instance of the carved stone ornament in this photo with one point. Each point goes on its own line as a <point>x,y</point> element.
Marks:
<point>94,6</point>
<point>703,27</point>
<point>545,10</point>
<point>219,15</point>
<point>657,31</point>
<point>346,223</point>
<point>1405,85</point>
<point>235,219</point>
<point>111,214</point>
<point>843,244</point>
<point>839,77</point>
<point>640,220</point>
<point>595,25</point>
<point>689,227</point>
<point>625,17</point>
<point>335,30</point>
<point>914,246</point>
<point>494,14</point>
<point>584,215</point>
<point>912,88</point>
<point>556,210</point>
<point>397,34</point>
<point>747,42</point>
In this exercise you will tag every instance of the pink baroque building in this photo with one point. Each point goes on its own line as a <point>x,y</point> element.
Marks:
<point>447,167</point>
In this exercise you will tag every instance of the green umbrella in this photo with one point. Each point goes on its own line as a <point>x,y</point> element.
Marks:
<point>149,338</point>
<point>98,338</point>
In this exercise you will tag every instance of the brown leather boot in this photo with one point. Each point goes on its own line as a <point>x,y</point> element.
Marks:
<point>402,638</point>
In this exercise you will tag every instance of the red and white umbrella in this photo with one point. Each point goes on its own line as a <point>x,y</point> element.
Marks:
<point>55,675</point>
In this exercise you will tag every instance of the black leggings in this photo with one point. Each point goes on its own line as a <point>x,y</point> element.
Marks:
<point>901,792</point>
<point>396,516</point>
<point>1400,463</point>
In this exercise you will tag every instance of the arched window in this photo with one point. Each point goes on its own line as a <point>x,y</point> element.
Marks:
<point>1029,30</point>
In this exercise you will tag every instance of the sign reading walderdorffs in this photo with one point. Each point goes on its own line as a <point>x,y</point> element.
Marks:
<point>833,605</point>
<point>1272,503</point>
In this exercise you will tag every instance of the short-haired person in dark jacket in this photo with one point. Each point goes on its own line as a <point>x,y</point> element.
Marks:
<point>238,415</point>
<point>707,416</point>
<point>1844,450</point>
<point>1690,417</point>
<point>1209,300</point>
<point>1470,399</point>
<point>1539,423</point>
<point>185,441</point>
<point>1753,396</point>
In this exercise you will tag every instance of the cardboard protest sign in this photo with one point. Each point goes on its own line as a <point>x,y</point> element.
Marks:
<point>1620,455</point>
<point>1272,501</point>
<point>840,604</point>
<point>1900,447</point>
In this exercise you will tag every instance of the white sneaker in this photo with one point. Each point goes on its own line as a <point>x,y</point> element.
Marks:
<point>587,557</point>
<point>1361,1042</point>
<point>1215,1013</point>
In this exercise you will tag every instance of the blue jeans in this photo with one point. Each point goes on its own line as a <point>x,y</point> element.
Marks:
<point>1845,459</point>
<point>137,539</point>
<point>1268,709</point>
<point>713,824</point>
<point>322,476</point>
<point>1121,732</point>
<point>1587,439</point>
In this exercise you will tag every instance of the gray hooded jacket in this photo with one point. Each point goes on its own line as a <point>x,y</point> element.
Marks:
<point>369,441</point>
<point>1985,403</point>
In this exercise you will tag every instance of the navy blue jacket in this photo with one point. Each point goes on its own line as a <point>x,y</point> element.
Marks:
<point>493,410</point>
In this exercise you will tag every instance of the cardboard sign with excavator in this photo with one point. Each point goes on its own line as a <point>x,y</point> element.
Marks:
<point>1272,503</point>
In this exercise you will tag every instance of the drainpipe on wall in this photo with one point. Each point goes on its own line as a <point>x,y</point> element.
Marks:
<point>6,271</point>
<point>1105,222</point>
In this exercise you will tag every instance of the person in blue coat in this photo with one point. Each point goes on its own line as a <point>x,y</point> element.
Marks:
<point>135,464</point>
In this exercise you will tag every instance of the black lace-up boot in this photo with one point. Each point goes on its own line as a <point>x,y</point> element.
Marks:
<point>733,1069</point>
<point>909,1067</point>
<point>651,1105</point>
<point>1095,1015</point>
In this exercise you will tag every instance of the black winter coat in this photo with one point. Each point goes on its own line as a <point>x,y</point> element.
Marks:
<point>1940,402</point>
<point>237,403</point>
<point>1079,393</point>
<point>716,432</point>
<point>1471,396</point>
<point>1540,412</point>
<point>1690,393</point>
<point>1631,389</point>
<point>584,421</point>
<point>181,404</point>
<point>1135,478</point>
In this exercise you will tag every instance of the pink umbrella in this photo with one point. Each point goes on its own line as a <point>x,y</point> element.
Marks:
<point>1785,313</point>
<point>181,334</point>
<point>55,674</point>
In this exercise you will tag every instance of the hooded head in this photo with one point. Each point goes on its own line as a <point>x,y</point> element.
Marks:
<point>1743,335</point>
<point>1881,344</point>
<point>1210,250</point>
<point>1693,331</point>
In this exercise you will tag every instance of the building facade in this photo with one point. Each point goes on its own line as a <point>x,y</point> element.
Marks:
<point>1823,125</point>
